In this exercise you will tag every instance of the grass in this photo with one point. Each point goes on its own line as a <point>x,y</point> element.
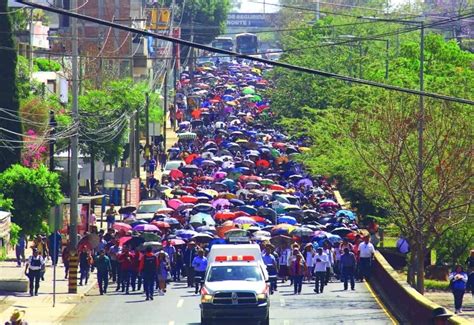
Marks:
<point>437,285</point>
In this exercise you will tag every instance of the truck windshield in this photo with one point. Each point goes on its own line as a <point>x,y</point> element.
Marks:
<point>234,273</point>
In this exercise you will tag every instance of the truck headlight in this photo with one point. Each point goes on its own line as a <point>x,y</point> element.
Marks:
<point>207,299</point>
<point>262,297</point>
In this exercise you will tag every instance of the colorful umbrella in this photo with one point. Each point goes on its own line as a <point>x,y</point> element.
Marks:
<point>244,221</point>
<point>121,226</point>
<point>146,228</point>
<point>176,174</point>
<point>175,203</point>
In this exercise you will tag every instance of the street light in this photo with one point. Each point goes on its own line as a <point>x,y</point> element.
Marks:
<point>421,120</point>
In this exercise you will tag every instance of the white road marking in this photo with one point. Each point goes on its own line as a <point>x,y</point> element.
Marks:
<point>282,302</point>
<point>171,322</point>
<point>286,322</point>
<point>180,303</point>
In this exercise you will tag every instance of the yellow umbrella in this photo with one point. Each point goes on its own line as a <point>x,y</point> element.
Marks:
<point>241,141</point>
<point>168,193</point>
<point>304,149</point>
<point>211,192</point>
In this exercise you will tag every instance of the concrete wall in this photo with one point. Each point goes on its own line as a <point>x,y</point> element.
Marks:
<point>404,301</point>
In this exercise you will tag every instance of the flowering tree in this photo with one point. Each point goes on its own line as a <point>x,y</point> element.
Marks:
<point>34,151</point>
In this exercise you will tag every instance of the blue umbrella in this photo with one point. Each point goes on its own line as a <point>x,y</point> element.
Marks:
<point>237,202</point>
<point>185,233</point>
<point>288,220</point>
<point>346,213</point>
<point>248,209</point>
<point>138,222</point>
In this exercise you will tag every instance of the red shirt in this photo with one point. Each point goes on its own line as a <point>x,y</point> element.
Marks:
<point>125,260</point>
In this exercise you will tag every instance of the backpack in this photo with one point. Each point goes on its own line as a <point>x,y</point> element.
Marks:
<point>149,265</point>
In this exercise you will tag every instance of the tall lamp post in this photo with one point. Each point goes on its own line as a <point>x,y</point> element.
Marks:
<point>420,127</point>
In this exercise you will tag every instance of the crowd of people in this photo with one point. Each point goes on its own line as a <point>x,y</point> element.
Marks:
<point>238,177</point>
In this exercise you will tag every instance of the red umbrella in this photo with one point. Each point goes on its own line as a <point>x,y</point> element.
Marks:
<point>276,187</point>
<point>119,226</point>
<point>176,174</point>
<point>123,240</point>
<point>189,159</point>
<point>258,219</point>
<point>254,178</point>
<point>188,199</point>
<point>279,145</point>
<point>241,214</point>
<point>189,189</point>
<point>196,114</point>
<point>224,215</point>
<point>262,163</point>
<point>176,242</point>
<point>161,224</point>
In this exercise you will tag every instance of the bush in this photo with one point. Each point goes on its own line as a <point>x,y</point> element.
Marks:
<point>42,64</point>
<point>14,233</point>
<point>437,285</point>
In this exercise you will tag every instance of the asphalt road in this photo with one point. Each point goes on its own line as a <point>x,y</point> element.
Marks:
<point>181,306</point>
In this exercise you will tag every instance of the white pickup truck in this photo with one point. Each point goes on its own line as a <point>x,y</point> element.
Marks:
<point>235,285</point>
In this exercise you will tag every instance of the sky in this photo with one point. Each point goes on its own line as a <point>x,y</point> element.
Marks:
<point>257,5</point>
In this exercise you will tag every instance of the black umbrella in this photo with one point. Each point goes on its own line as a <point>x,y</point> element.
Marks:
<point>341,231</point>
<point>237,202</point>
<point>127,209</point>
<point>134,242</point>
<point>267,213</point>
<point>189,169</point>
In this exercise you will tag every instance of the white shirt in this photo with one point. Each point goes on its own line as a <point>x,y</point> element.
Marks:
<point>310,258</point>
<point>320,266</point>
<point>366,250</point>
<point>329,252</point>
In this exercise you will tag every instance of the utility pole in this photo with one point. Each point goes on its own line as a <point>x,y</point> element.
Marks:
<point>74,159</point>
<point>147,119</point>
<point>137,143</point>
<point>165,106</point>
<point>420,164</point>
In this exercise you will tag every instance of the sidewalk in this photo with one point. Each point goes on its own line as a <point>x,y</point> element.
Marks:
<point>39,309</point>
<point>446,300</point>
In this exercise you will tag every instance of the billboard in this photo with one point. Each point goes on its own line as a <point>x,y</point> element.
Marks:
<point>251,19</point>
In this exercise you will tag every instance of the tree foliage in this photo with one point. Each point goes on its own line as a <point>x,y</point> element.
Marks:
<point>10,126</point>
<point>208,16</point>
<point>33,192</point>
<point>367,138</point>
<point>43,64</point>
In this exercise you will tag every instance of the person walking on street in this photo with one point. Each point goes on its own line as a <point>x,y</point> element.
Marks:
<point>162,158</point>
<point>65,256</point>
<point>283,262</point>
<point>366,255</point>
<point>20,248</point>
<point>458,280</point>
<point>148,268</point>
<point>200,265</point>
<point>297,271</point>
<point>188,257</point>
<point>113,253</point>
<point>125,261</point>
<point>33,268</point>
<point>320,263</point>
<point>348,267</point>
<point>163,269</point>
<point>272,267</point>
<point>85,261</point>
<point>110,214</point>
<point>102,264</point>
<point>136,280</point>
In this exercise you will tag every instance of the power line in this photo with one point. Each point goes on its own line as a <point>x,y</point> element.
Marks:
<point>249,57</point>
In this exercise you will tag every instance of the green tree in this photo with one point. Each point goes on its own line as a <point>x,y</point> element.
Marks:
<point>33,192</point>
<point>10,126</point>
<point>208,16</point>
<point>43,64</point>
<point>367,138</point>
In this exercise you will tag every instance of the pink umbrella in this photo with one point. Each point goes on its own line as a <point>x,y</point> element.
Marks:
<point>244,221</point>
<point>220,175</point>
<point>221,202</point>
<point>122,226</point>
<point>174,203</point>
<point>146,227</point>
